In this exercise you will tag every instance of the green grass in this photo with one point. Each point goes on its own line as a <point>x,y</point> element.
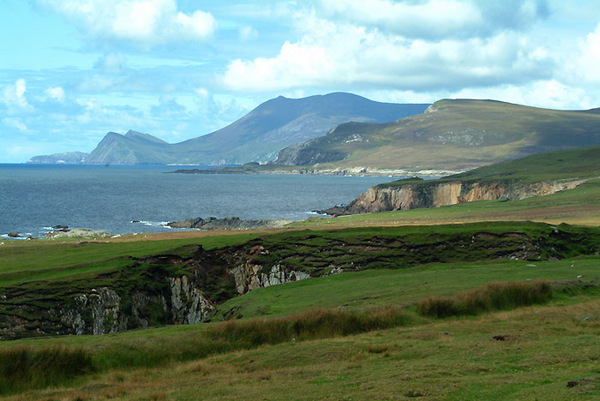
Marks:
<point>23,261</point>
<point>357,290</point>
<point>394,360</point>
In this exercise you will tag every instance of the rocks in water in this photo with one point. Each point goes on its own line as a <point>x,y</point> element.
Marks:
<point>14,234</point>
<point>78,233</point>
<point>228,223</point>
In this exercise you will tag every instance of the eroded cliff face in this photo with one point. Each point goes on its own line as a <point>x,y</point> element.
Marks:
<point>427,195</point>
<point>249,276</point>
<point>150,292</point>
<point>103,310</point>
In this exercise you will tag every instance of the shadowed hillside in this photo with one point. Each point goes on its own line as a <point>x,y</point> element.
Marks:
<point>451,134</point>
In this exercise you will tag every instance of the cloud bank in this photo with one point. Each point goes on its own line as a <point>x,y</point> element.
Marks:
<point>138,22</point>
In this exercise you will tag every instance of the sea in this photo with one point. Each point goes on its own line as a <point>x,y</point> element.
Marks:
<point>142,199</point>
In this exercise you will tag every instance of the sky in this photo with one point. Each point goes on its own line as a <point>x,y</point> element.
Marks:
<point>73,70</point>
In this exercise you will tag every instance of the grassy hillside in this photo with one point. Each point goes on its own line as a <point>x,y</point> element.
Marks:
<point>565,164</point>
<point>458,134</point>
<point>569,164</point>
<point>521,353</point>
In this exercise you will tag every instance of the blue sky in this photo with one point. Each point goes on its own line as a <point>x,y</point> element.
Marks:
<point>73,70</point>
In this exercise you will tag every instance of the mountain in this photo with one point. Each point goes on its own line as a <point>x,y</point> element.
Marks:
<point>131,148</point>
<point>451,134</point>
<point>256,137</point>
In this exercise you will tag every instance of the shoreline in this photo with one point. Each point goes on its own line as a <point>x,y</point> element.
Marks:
<point>339,171</point>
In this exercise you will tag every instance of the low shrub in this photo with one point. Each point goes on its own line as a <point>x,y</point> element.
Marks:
<point>316,323</point>
<point>25,368</point>
<point>493,296</point>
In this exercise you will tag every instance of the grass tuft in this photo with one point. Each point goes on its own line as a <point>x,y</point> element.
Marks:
<point>493,296</point>
<point>314,324</point>
<point>25,368</point>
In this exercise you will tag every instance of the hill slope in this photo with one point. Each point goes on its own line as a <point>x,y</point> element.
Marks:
<point>256,137</point>
<point>451,134</point>
<point>536,175</point>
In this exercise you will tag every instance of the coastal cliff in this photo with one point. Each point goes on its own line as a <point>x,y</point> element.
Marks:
<point>152,291</point>
<point>428,194</point>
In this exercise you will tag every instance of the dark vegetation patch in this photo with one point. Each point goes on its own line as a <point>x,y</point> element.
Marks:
<point>26,368</point>
<point>314,324</point>
<point>492,297</point>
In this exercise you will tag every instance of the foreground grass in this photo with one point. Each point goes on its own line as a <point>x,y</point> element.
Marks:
<point>523,354</point>
<point>302,352</point>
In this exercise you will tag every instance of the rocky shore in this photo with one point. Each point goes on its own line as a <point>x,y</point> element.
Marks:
<point>228,223</point>
<point>65,232</point>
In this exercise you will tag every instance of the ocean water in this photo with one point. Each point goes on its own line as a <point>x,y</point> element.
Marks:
<point>34,198</point>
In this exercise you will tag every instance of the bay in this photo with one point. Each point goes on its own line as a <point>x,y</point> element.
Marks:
<point>130,199</point>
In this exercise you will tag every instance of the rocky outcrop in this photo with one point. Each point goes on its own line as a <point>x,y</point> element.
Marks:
<point>250,277</point>
<point>436,194</point>
<point>228,223</point>
<point>77,233</point>
<point>104,311</point>
<point>188,303</point>
<point>303,155</point>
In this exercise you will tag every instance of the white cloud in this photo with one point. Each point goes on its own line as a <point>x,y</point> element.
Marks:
<point>140,22</point>
<point>13,96</point>
<point>435,18</point>
<point>546,93</point>
<point>57,93</point>
<point>334,54</point>
<point>582,67</point>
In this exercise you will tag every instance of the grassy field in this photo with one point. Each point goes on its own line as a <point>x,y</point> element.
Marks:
<point>524,353</point>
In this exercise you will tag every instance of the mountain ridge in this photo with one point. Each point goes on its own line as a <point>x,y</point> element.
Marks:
<point>256,137</point>
<point>458,134</point>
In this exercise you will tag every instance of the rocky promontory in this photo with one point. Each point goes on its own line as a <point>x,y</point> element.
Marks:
<point>65,232</point>
<point>416,193</point>
<point>228,223</point>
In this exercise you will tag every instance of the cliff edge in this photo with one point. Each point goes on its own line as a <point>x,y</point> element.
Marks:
<point>433,194</point>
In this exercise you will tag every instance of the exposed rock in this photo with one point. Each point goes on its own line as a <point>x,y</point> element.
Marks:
<point>425,195</point>
<point>78,233</point>
<point>250,276</point>
<point>228,223</point>
<point>102,311</point>
<point>188,304</point>
<point>98,312</point>
<point>13,234</point>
